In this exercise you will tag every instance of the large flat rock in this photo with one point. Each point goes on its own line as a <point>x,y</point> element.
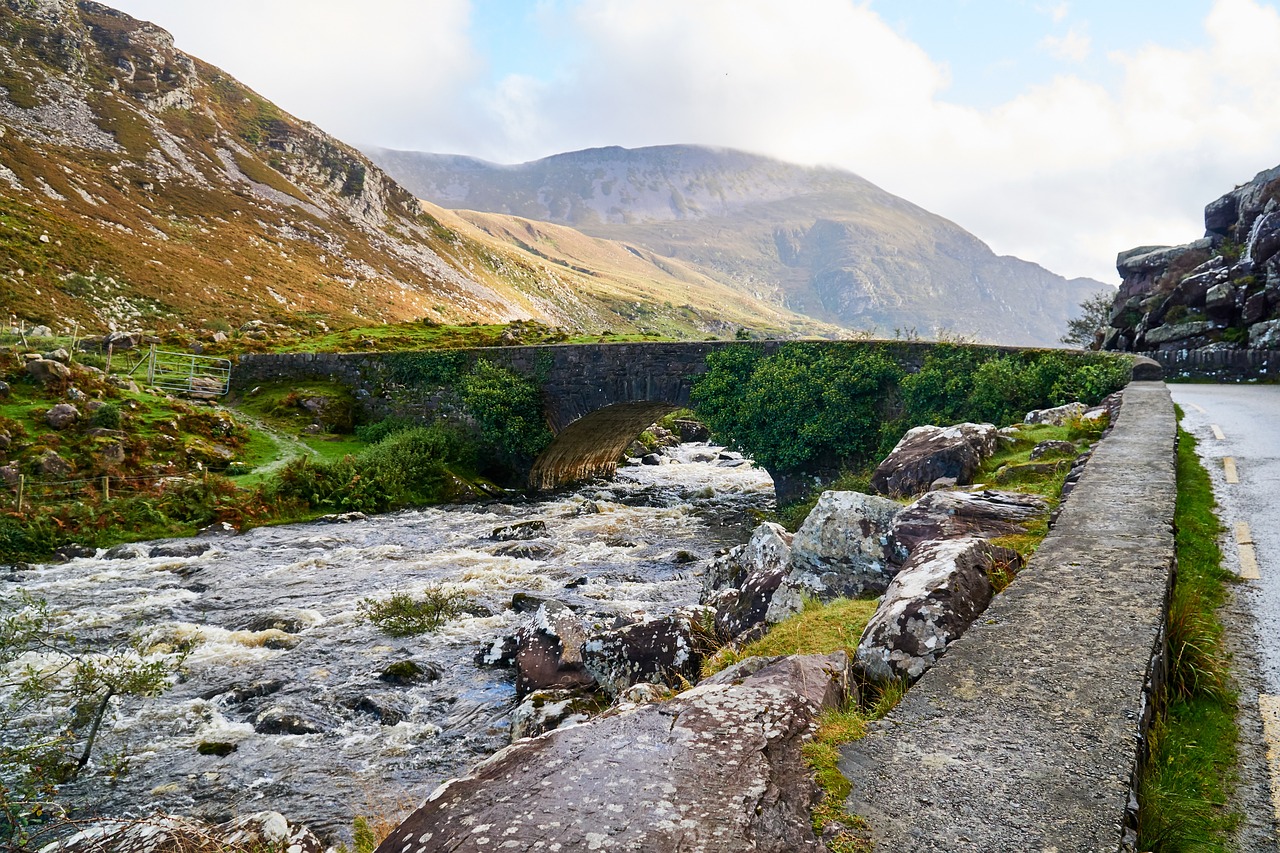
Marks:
<point>1024,737</point>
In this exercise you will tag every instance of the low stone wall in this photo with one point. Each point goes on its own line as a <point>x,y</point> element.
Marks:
<point>1027,734</point>
<point>1224,365</point>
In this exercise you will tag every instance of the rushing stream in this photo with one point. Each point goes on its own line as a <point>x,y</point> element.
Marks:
<point>610,548</point>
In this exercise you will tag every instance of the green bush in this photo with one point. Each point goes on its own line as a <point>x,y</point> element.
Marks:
<point>107,416</point>
<point>403,615</point>
<point>508,410</point>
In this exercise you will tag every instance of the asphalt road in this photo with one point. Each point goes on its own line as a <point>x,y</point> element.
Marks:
<point>1238,429</point>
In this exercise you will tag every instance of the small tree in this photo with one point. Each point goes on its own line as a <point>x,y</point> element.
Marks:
<point>55,691</point>
<point>1083,331</point>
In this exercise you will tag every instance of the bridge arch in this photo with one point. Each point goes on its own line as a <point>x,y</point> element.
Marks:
<point>591,446</point>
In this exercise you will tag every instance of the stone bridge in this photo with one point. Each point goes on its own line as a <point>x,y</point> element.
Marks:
<point>598,397</point>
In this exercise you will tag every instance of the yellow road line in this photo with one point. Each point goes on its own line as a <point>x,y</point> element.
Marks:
<point>1248,556</point>
<point>1229,469</point>
<point>1217,432</point>
<point>1269,708</point>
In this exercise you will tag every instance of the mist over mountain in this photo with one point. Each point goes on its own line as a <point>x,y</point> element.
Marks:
<point>820,241</point>
<point>142,186</point>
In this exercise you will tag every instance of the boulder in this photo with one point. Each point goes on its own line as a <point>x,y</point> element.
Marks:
<point>519,530</point>
<point>717,769</point>
<point>9,474</point>
<point>49,373</point>
<point>291,716</point>
<point>72,551</point>
<point>1264,238</point>
<point>402,673</point>
<point>387,710</point>
<point>654,650</point>
<point>1219,301</point>
<point>1265,335</point>
<point>845,546</point>
<point>59,355</point>
<point>745,609</point>
<point>929,604</point>
<point>769,548</point>
<point>951,515</point>
<point>1058,416</point>
<point>53,465</point>
<point>61,416</point>
<point>1053,448</point>
<point>544,710</point>
<point>525,550</point>
<point>547,651</point>
<point>157,833</point>
<point>691,430</point>
<point>182,548</point>
<point>928,452</point>
<point>1178,332</point>
<point>4,390</point>
<point>1256,307</point>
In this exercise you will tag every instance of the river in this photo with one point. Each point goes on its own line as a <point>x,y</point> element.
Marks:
<point>609,548</point>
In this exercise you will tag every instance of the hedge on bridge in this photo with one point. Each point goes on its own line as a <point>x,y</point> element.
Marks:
<point>818,408</point>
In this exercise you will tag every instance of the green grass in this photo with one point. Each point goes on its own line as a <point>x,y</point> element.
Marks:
<point>1189,771</point>
<point>817,630</point>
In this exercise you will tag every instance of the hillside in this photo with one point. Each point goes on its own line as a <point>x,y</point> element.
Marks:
<point>142,186</point>
<point>823,242</point>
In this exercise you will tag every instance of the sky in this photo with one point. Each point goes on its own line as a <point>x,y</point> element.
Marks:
<point>1060,131</point>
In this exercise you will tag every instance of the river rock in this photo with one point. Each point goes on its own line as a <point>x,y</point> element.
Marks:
<point>48,372</point>
<point>184,548</point>
<point>525,550</point>
<point>745,610</point>
<point>769,548</point>
<point>928,452</point>
<point>929,604</point>
<point>548,651</point>
<point>845,547</point>
<point>387,710</point>
<point>290,716</point>
<point>951,515</point>
<point>654,650</point>
<point>61,416</point>
<point>717,769</point>
<point>406,672</point>
<point>519,530</point>
<point>72,551</point>
<point>170,833</point>
<point>544,710</point>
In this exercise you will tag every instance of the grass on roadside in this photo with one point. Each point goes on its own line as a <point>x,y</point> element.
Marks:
<point>1189,771</point>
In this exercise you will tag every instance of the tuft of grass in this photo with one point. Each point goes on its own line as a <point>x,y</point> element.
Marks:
<point>837,727</point>
<point>404,615</point>
<point>817,630</point>
<point>1189,769</point>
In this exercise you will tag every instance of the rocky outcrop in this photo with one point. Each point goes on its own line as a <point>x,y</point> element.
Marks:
<point>1211,293</point>
<point>950,515</point>
<point>716,769</point>
<point>927,453</point>
<point>930,603</point>
<point>260,831</point>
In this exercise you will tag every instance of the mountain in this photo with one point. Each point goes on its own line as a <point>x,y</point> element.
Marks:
<point>820,241</point>
<point>142,186</point>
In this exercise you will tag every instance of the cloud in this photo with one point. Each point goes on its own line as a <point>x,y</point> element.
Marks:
<point>379,71</point>
<point>1074,46</point>
<point>1066,174</point>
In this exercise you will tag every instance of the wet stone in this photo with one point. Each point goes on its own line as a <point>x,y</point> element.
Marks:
<point>407,672</point>
<point>519,530</point>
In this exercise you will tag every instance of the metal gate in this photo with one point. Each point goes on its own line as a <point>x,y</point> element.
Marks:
<point>186,373</point>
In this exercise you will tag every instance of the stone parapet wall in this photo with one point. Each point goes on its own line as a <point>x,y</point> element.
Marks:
<point>1028,733</point>
<point>1225,365</point>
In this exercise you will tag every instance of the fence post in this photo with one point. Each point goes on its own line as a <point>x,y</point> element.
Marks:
<point>151,366</point>
<point>106,487</point>
<point>22,484</point>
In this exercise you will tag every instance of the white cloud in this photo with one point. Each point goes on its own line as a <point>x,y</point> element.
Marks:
<point>1066,174</point>
<point>1073,46</point>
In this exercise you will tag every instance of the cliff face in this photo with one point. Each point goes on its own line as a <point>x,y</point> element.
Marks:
<point>1221,291</point>
<point>140,185</point>
<point>820,241</point>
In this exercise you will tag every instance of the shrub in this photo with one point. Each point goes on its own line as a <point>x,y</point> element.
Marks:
<point>107,416</point>
<point>507,408</point>
<point>403,615</point>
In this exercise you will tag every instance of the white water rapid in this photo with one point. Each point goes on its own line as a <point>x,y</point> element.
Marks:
<point>610,548</point>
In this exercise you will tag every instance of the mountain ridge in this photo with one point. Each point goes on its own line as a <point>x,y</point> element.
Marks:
<point>140,185</point>
<point>818,240</point>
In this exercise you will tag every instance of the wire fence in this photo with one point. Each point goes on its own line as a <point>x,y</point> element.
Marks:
<point>30,492</point>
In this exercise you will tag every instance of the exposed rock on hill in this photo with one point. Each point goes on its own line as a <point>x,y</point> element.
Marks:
<point>1221,291</point>
<point>139,185</point>
<point>820,241</point>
